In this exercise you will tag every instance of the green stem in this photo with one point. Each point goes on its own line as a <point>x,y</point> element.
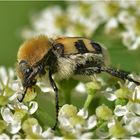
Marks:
<point>89,99</point>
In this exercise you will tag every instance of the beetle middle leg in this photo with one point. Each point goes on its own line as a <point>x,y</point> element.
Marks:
<point>56,97</point>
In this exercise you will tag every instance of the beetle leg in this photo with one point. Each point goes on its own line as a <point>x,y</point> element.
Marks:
<point>119,73</point>
<point>56,97</point>
<point>112,71</point>
<point>88,71</point>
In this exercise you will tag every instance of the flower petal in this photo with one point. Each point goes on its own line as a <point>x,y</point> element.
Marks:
<point>4,136</point>
<point>91,122</point>
<point>102,134</point>
<point>7,115</point>
<point>3,75</point>
<point>36,129</point>
<point>110,96</point>
<point>83,113</point>
<point>120,110</point>
<point>16,137</point>
<point>87,135</point>
<point>33,107</point>
<point>134,107</point>
<point>48,134</point>
<point>14,127</point>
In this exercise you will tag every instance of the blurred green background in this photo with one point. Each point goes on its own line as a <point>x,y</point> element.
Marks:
<point>13,17</point>
<point>16,15</point>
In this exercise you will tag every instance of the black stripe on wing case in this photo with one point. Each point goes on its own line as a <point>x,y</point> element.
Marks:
<point>80,46</point>
<point>97,47</point>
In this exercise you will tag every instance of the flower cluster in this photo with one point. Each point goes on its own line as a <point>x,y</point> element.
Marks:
<point>124,122</point>
<point>117,18</point>
<point>74,124</point>
<point>121,121</point>
<point>16,116</point>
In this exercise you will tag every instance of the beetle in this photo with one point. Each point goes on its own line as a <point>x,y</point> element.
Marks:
<point>62,58</point>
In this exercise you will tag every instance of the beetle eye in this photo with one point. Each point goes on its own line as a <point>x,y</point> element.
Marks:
<point>25,68</point>
<point>28,70</point>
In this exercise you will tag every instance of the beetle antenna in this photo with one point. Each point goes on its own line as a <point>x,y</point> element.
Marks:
<point>23,95</point>
<point>119,73</point>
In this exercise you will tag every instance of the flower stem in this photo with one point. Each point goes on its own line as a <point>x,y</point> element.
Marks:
<point>88,100</point>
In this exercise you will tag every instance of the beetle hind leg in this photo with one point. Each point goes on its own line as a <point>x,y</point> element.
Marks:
<point>112,71</point>
<point>88,71</point>
<point>119,73</point>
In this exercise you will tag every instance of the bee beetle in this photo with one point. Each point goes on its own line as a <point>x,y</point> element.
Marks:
<point>63,58</point>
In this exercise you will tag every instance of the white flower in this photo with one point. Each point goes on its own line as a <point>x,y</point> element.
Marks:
<point>44,23</point>
<point>3,75</point>
<point>129,117</point>
<point>128,37</point>
<point>80,88</point>
<point>133,126</point>
<point>8,85</point>
<point>120,110</point>
<point>123,17</point>
<point>134,138</point>
<point>87,18</point>
<point>77,123</point>
<point>6,78</point>
<point>37,129</point>
<point>83,113</point>
<point>91,122</point>
<point>14,125</point>
<point>15,137</point>
<point>111,26</point>
<point>102,134</point>
<point>7,115</point>
<point>128,4</point>
<point>17,105</point>
<point>136,93</point>
<point>101,15</point>
<point>16,85</point>
<point>87,24</point>
<point>136,44</point>
<point>48,133</point>
<point>134,107</point>
<point>111,123</point>
<point>109,94</point>
<point>33,106</point>
<point>4,136</point>
<point>87,135</point>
